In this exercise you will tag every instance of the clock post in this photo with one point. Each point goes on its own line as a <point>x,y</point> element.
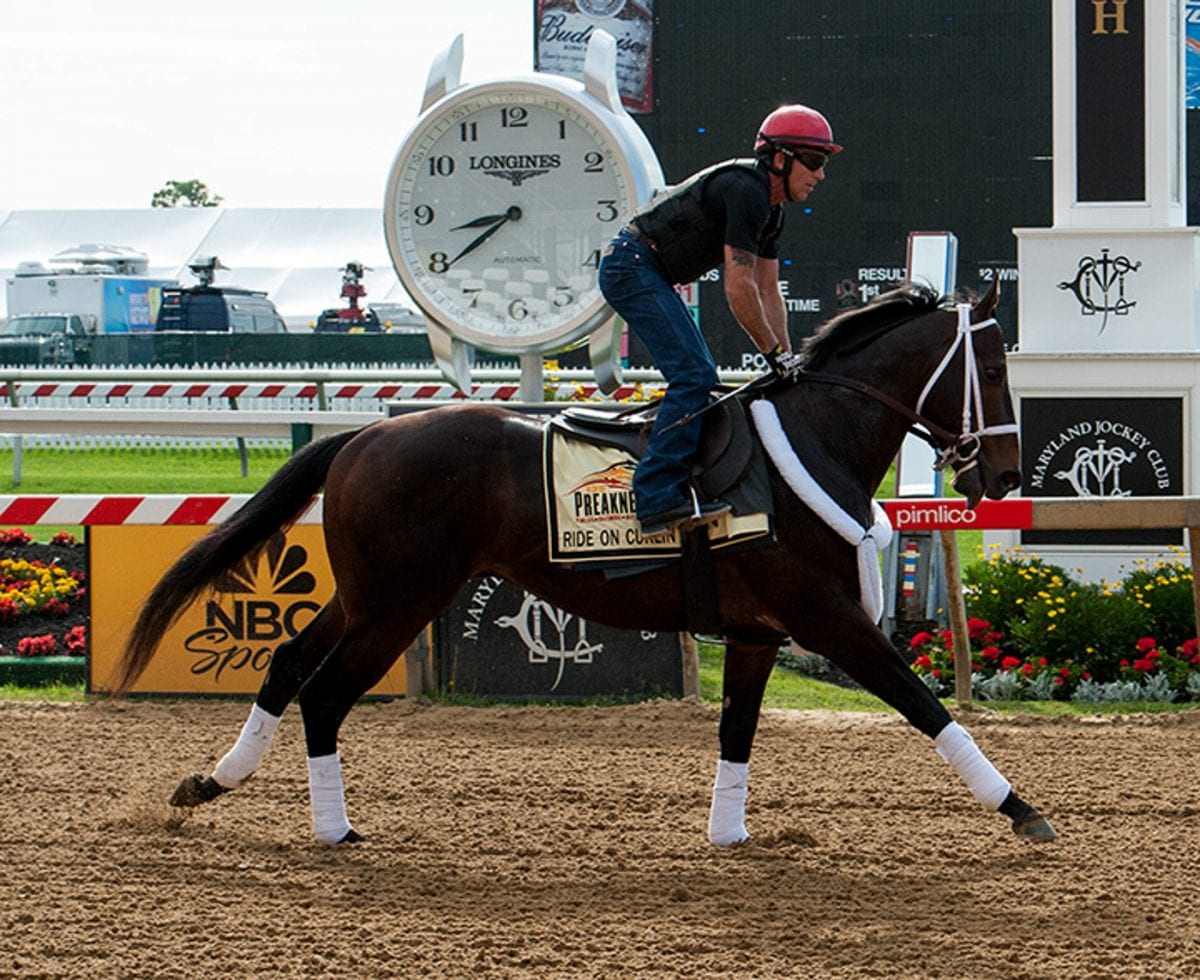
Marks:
<point>499,203</point>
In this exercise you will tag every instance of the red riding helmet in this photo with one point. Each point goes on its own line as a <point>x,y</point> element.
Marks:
<point>795,126</point>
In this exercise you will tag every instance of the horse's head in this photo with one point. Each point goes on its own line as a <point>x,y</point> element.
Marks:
<point>968,396</point>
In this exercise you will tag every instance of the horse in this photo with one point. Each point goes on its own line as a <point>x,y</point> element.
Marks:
<point>437,497</point>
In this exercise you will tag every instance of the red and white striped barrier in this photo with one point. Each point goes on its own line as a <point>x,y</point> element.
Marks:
<point>88,509</point>
<point>160,509</point>
<point>1019,513</point>
<point>227,390</point>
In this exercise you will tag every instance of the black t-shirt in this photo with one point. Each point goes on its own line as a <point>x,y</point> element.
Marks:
<point>729,204</point>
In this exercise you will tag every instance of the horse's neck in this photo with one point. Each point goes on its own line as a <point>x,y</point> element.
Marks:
<point>847,434</point>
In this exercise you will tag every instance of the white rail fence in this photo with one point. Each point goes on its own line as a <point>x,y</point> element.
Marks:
<point>33,394</point>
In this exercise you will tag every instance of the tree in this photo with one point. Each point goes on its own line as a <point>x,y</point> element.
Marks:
<point>185,194</point>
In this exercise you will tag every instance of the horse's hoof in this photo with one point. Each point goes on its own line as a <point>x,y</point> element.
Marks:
<point>352,837</point>
<point>196,789</point>
<point>1036,828</point>
<point>729,839</point>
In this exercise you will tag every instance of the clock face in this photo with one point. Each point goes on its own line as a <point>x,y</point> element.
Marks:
<point>499,204</point>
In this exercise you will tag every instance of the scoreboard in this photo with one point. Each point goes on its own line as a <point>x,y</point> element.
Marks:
<point>944,109</point>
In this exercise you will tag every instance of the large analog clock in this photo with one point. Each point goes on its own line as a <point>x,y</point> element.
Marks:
<point>501,199</point>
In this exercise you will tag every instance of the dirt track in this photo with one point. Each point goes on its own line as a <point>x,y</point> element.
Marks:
<point>569,842</point>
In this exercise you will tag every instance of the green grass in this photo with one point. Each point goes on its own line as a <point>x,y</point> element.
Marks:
<point>117,471</point>
<point>134,471</point>
<point>51,692</point>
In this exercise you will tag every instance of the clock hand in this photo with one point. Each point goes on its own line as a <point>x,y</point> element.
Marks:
<point>512,214</point>
<point>487,219</point>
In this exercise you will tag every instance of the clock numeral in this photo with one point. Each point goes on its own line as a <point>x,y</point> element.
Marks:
<point>468,132</point>
<point>593,260</point>
<point>608,211</point>
<point>438,263</point>
<point>562,297</point>
<point>473,292</point>
<point>423,214</point>
<point>562,129</point>
<point>442,166</point>
<point>517,310</point>
<point>593,163</point>
<point>514,117</point>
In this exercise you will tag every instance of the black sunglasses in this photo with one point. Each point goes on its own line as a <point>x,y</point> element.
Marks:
<point>811,159</point>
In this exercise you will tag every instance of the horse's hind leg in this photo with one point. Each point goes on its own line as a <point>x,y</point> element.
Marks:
<point>371,643</point>
<point>293,663</point>
<point>865,654</point>
<point>747,669</point>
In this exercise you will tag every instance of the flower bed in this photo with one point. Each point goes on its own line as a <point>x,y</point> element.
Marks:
<point>1037,633</point>
<point>43,598</point>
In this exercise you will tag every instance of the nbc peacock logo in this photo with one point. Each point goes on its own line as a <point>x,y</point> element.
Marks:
<point>259,604</point>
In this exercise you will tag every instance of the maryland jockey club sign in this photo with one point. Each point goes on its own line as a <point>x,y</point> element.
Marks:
<point>1102,447</point>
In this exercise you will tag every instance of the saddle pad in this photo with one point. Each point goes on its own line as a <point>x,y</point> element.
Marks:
<point>590,511</point>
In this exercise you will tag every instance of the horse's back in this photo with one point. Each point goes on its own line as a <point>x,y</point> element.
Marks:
<point>456,468</point>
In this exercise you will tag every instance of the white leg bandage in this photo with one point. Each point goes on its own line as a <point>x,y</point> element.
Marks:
<point>327,797</point>
<point>955,745</point>
<point>727,818</point>
<point>241,761</point>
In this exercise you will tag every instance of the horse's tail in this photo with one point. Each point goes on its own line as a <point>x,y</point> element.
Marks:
<point>243,536</point>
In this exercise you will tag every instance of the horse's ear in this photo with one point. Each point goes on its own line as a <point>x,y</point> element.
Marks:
<point>986,307</point>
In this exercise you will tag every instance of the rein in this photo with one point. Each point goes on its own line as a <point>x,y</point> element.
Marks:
<point>959,451</point>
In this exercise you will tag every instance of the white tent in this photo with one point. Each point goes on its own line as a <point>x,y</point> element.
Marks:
<point>294,254</point>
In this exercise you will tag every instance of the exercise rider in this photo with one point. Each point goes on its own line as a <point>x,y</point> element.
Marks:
<point>731,213</point>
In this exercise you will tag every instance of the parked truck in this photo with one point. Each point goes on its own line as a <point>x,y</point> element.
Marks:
<point>90,289</point>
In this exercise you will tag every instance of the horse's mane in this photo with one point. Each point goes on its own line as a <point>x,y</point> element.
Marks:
<point>855,328</point>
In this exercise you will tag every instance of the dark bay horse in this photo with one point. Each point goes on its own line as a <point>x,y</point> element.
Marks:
<point>416,505</point>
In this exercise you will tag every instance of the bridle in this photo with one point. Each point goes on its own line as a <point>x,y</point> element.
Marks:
<point>963,453</point>
<point>959,451</point>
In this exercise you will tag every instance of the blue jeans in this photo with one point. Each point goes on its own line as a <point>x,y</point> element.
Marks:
<point>634,285</point>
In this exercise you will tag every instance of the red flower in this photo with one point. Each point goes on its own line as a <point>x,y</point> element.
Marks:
<point>75,640</point>
<point>1190,648</point>
<point>1144,664</point>
<point>990,653</point>
<point>36,646</point>
<point>1027,669</point>
<point>1010,663</point>
<point>976,627</point>
<point>923,662</point>
<point>1065,672</point>
<point>920,639</point>
<point>936,673</point>
<point>1146,643</point>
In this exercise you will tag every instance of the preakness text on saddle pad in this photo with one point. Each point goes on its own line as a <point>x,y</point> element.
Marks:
<point>590,511</point>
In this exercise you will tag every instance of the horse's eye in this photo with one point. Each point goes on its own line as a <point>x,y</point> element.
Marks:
<point>993,375</point>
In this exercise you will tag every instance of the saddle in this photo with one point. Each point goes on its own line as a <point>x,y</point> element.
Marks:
<point>726,440</point>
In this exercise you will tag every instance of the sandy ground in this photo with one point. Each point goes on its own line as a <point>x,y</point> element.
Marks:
<point>569,842</point>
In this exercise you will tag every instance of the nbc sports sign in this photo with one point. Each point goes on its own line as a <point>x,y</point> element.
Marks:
<point>224,642</point>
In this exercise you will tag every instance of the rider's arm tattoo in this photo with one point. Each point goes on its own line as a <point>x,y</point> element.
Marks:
<point>741,257</point>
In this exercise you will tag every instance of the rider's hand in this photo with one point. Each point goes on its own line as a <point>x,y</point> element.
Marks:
<point>784,363</point>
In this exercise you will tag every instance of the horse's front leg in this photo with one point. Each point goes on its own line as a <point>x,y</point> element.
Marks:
<point>747,668</point>
<point>864,653</point>
<point>294,662</point>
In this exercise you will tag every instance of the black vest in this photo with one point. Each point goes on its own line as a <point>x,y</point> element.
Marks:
<point>682,229</point>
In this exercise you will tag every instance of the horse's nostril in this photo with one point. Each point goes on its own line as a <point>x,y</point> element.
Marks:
<point>1011,479</point>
